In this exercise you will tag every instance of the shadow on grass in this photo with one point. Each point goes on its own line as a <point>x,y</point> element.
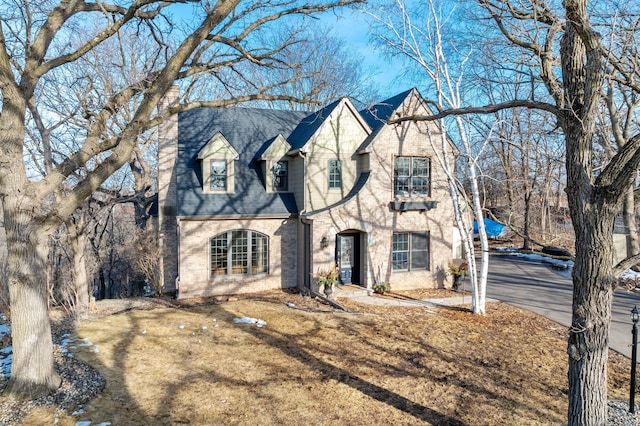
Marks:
<point>308,346</point>
<point>118,405</point>
<point>341,375</point>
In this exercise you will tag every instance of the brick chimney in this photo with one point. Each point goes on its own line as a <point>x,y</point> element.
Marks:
<point>167,193</point>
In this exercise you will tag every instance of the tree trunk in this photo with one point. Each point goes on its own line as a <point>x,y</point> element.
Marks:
<point>526,227</point>
<point>629,215</point>
<point>79,242</point>
<point>593,205</point>
<point>589,333</point>
<point>32,371</point>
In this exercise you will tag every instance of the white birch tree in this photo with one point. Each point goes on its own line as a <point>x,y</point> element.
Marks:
<point>423,44</point>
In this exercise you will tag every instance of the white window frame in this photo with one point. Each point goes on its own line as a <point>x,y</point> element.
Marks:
<point>410,178</point>
<point>410,249</point>
<point>239,252</point>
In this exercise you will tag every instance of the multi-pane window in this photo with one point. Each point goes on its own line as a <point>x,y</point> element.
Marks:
<point>410,251</point>
<point>280,175</point>
<point>259,253</point>
<point>239,252</point>
<point>219,256</point>
<point>218,175</point>
<point>412,177</point>
<point>335,174</point>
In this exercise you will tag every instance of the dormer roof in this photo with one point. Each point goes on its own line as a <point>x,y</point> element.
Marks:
<point>218,147</point>
<point>268,149</point>
<point>239,131</point>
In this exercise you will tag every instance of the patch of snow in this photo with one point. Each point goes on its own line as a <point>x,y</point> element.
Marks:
<point>507,249</point>
<point>181,326</point>
<point>249,320</point>
<point>564,267</point>
<point>630,275</point>
<point>84,423</point>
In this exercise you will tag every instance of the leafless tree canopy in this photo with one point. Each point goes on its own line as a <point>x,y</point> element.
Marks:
<point>78,102</point>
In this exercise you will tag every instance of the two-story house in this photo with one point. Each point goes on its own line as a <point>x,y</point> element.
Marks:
<point>255,199</point>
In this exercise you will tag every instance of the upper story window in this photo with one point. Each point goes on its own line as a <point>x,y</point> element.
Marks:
<point>240,252</point>
<point>412,177</point>
<point>218,177</point>
<point>217,162</point>
<point>280,171</point>
<point>410,251</point>
<point>335,174</point>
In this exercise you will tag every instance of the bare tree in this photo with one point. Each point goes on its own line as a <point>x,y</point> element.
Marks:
<point>424,45</point>
<point>575,50</point>
<point>326,70</point>
<point>40,45</point>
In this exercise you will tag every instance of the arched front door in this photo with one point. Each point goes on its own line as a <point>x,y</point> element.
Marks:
<point>348,249</point>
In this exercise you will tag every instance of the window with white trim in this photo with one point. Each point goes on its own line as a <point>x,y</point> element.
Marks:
<point>218,175</point>
<point>410,251</point>
<point>280,176</point>
<point>412,177</point>
<point>335,174</point>
<point>241,252</point>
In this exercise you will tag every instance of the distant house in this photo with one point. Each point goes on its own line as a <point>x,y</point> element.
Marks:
<point>255,199</point>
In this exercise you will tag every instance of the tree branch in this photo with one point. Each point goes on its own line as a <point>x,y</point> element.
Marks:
<point>487,109</point>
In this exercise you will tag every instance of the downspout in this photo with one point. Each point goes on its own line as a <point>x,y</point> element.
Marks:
<point>177,283</point>
<point>305,222</point>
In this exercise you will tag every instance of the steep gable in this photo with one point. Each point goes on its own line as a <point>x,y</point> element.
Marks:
<point>302,137</point>
<point>377,115</point>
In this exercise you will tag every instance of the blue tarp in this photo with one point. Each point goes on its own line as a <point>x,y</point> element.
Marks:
<point>493,228</point>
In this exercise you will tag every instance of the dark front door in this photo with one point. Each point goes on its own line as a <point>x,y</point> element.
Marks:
<point>347,252</point>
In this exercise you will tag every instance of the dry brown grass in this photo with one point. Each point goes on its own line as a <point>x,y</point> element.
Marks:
<point>314,365</point>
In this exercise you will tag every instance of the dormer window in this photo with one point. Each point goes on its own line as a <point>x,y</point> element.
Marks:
<point>217,159</point>
<point>218,175</point>
<point>280,176</point>
<point>411,177</point>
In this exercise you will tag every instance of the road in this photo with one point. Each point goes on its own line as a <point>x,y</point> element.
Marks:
<point>539,288</point>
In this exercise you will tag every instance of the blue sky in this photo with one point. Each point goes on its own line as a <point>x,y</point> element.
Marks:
<point>352,27</point>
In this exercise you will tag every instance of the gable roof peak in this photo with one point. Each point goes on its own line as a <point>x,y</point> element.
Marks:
<point>310,125</point>
<point>217,145</point>
<point>265,151</point>
<point>378,114</point>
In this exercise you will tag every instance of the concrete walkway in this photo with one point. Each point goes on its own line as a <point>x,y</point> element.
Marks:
<point>361,296</point>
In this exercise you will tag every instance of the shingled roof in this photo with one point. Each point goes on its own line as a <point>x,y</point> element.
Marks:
<point>247,130</point>
<point>309,125</point>
<point>377,115</point>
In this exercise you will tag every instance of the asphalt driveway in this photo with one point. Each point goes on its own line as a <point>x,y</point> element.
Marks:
<point>539,288</point>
